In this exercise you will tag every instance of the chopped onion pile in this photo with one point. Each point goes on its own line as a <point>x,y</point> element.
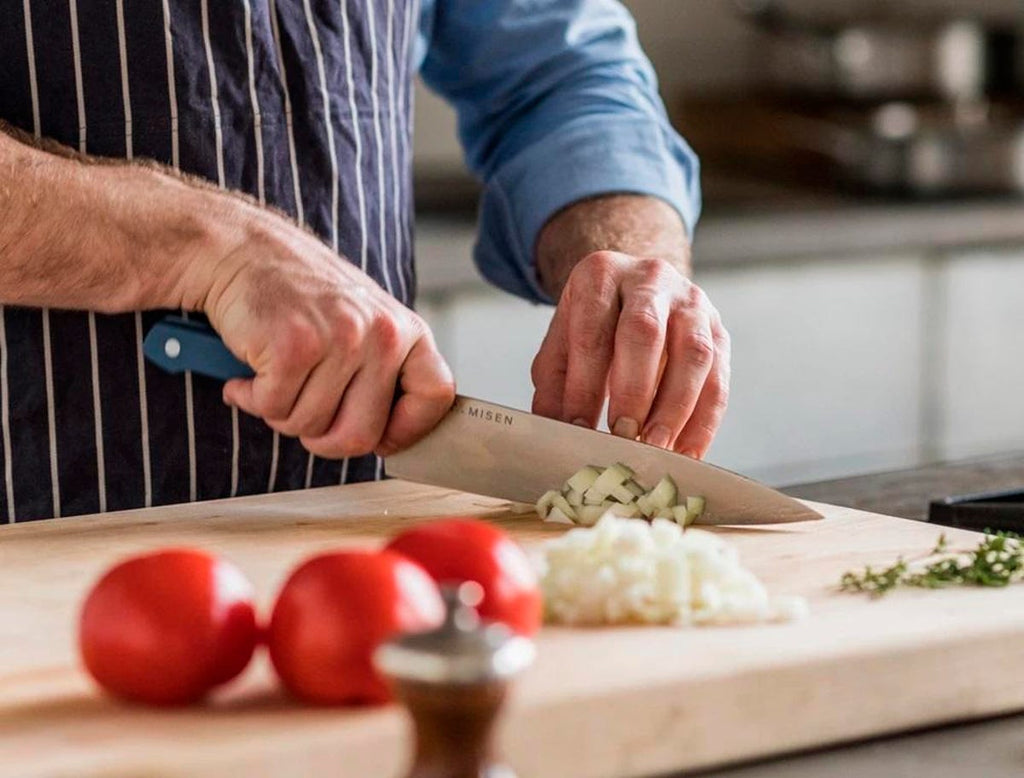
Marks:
<point>593,491</point>
<point>626,571</point>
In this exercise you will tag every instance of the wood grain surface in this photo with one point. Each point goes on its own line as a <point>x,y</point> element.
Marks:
<point>598,702</point>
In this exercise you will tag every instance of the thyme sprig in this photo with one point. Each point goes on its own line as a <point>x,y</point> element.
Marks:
<point>998,560</point>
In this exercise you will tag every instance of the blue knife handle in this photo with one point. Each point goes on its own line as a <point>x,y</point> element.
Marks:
<point>177,345</point>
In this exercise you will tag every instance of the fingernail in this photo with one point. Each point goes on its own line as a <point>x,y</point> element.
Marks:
<point>581,422</point>
<point>659,435</point>
<point>691,454</point>
<point>626,427</point>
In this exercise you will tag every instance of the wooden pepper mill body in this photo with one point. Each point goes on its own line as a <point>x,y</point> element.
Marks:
<point>455,729</point>
<point>454,681</point>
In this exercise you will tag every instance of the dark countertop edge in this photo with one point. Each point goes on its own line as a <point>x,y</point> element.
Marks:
<point>906,493</point>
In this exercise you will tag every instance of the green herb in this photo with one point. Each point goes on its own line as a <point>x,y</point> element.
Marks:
<point>997,561</point>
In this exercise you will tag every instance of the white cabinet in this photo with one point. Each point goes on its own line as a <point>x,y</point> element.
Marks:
<point>980,372</point>
<point>827,361</point>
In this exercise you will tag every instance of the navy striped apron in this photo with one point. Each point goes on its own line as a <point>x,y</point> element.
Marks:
<point>303,104</point>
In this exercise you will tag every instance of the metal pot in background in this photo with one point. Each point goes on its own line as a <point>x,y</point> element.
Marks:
<point>883,103</point>
<point>928,151</point>
<point>905,149</point>
<point>885,57</point>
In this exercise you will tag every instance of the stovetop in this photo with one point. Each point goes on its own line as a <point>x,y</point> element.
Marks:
<point>1001,511</point>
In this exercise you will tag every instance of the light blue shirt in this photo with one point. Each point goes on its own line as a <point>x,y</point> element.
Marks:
<point>556,102</point>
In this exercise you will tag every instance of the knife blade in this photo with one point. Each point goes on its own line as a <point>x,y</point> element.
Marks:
<point>491,450</point>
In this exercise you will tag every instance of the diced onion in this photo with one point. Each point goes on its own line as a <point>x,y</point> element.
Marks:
<point>624,571</point>
<point>593,491</point>
<point>584,479</point>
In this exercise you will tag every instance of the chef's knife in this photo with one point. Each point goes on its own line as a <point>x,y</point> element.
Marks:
<point>488,449</point>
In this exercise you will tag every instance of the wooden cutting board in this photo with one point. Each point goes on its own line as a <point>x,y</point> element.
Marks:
<point>598,702</point>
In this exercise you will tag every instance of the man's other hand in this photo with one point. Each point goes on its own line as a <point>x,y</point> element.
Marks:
<point>637,331</point>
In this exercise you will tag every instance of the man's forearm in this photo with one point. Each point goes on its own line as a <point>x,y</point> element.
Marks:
<point>632,224</point>
<point>107,237</point>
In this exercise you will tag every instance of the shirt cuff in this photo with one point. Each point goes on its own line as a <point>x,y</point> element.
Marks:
<point>586,158</point>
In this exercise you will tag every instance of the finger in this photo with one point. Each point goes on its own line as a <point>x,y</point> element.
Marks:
<point>690,352</point>
<point>428,393</point>
<point>361,418</point>
<point>319,400</point>
<point>699,431</point>
<point>268,395</point>
<point>279,379</point>
<point>548,369</point>
<point>639,344</point>
<point>592,325</point>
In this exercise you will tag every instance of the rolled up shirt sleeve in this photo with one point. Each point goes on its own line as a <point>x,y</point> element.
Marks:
<point>556,103</point>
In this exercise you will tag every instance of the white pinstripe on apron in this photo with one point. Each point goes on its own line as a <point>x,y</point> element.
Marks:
<point>302,104</point>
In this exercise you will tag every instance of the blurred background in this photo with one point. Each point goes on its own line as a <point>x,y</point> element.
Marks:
<point>863,228</point>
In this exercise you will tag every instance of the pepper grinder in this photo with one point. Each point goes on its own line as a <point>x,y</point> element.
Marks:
<point>454,681</point>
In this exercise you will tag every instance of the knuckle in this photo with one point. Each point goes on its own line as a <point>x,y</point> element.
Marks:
<point>437,392</point>
<point>300,343</point>
<point>358,444</point>
<point>348,331</point>
<point>418,326</point>
<point>388,446</point>
<point>698,298</point>
<point>545,374</point>
<point>720,404</point>
<point>388,337</point>
<point>705,429</point>
<point>724,337</point>
<point>347,442</point>
<point>274,404</point>
<point>312,423</point>
<point>724,375</point>
<point>322,448</point>
<point>285,426</point>
<point>642,325</point>
<point>697,347</point>
<point>443,391</point>
<point>599,270</point>
<point>599,261</point>
<point>651,267</point>
<point>718,401</point>
<point>539,372</point>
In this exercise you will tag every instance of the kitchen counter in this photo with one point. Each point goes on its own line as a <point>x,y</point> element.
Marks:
<point>992,748</point>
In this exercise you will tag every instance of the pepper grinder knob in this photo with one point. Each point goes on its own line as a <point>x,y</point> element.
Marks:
<point>454,681</point>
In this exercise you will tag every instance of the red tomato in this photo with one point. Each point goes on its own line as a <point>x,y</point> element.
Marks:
<point>165,628</point>
<point>332,614</point>
<point>457,550</point>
